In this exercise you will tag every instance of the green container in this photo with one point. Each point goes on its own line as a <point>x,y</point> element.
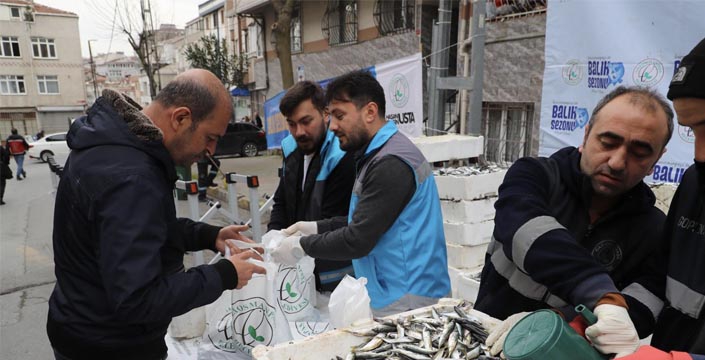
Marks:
<point>184,173</point>
<point>544,335</point>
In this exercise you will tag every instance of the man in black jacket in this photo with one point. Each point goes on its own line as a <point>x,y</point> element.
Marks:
<point>118,245</point>
<point>317,176</point>
<point>580,227</point>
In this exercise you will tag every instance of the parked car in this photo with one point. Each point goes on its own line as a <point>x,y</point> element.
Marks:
<point>241,138</point>
<point>51,144</point>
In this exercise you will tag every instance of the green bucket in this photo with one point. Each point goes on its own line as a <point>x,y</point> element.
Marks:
<point>544,335</point>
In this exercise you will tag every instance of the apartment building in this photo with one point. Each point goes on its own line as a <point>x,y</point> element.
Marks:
<point>41,72</point>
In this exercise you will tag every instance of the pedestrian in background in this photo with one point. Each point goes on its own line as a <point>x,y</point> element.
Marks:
<point>258,120</point>
<point>5,172</point>
<point>205,177</point>
<point>18,146</point>
<point>39,135</point>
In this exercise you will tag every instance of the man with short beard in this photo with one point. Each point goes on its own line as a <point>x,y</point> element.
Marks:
<point>394,230</point>
<point>580,227</point>
<point>317,176</point>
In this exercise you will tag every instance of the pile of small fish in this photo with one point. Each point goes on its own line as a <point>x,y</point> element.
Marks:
<point>434,336</point>
<point>468,170</point>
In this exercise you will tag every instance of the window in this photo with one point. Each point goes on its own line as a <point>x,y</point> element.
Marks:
<point>12,85</point>
<point>15,12</point>
<point>43,48</point>
<point>10,46</point>
<point>393,16</point>
<point>48,84</point>
<point>340,22</point>
<point>507,130</point>
<point>254,40</point>
<point>296,45</point>
<point>57,137</point>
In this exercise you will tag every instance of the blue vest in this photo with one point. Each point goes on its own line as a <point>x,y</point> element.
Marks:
<point>410,258</point>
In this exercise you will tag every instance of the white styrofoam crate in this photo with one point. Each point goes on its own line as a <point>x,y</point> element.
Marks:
<point>468,234</point>
<point>470,212</point>
<point>469,187</point>
<point>468,285</point>
<point>449,146</point>
<point>460,256</point>
<point>338,342</point>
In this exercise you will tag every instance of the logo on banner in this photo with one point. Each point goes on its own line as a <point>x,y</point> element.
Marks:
<point>686,134</point>
<point>292,285</point>
<point>399,90</point>
<point>248,323</point>
<point>568,118</point>
<point>604,73</point>
<point>573,73</point>
<point>648,72</point>
<point>668,174</point>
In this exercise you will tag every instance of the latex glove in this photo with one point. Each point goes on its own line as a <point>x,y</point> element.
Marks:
<point>304,227</point>
<point>651,353</point>
<point>495,340</point>
<point>614,332</point>
<point>289,251</point>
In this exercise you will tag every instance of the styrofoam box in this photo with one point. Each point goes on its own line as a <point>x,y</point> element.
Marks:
<point>465,211</point>
<point>468,234</point>
<point>468,286</point>
<point>455,275</point>
<point>469,187</point>
<point>338,342</point>
<point>460,256</point>
<point>449,146</point>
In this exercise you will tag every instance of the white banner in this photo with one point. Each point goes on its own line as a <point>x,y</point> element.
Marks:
<point>403,87</point>
<point>594,46</point>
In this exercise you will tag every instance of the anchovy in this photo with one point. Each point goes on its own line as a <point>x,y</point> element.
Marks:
<point>372,344</point>
<point>452,342</point>
<point>412,355</point>
<point>418,350</point>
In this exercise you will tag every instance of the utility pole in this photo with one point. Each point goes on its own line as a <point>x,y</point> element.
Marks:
<point>95,87</point>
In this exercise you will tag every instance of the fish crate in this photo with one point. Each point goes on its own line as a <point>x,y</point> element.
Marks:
<point>339,342</point>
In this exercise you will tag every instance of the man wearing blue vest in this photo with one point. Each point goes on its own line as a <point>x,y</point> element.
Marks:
<point>394,230</point>
<point>317,176</point>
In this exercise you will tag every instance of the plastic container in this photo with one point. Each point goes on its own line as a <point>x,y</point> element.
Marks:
<point>338,342</point>
<point>544,335</point>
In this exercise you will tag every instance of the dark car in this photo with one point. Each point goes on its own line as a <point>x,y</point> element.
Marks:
<point>241,138</point>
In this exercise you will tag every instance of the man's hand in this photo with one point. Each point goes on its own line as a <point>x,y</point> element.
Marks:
<point>233,232</point>
<point>304,227</point>
<point>244,268</point>
<point>614,332</point>
<point>495,340</point>
<point>289,251</point>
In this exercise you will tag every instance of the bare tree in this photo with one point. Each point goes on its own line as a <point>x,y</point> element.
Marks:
<point>281,30</point>
<point>140,34</point>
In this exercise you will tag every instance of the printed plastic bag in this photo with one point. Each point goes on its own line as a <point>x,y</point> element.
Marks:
<point>295,286</point>
<point>349,302</point>
<point>242,319</point>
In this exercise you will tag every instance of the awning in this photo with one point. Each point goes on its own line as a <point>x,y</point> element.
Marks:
<point>236,91</point>
<point>248,6</point>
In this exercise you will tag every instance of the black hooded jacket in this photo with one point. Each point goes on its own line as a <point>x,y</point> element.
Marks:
<point>118,245</point>
<point>569,260</point>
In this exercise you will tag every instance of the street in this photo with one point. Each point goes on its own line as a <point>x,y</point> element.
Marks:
<point>26,254</point>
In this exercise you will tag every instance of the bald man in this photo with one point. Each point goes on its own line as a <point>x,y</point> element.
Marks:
<point>118,245</point>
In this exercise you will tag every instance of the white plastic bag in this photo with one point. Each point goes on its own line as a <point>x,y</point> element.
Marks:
<point>294,286</point>
<point>349,302</point>
<point>242,319</point>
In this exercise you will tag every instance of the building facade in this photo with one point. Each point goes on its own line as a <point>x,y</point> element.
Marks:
<point>41,72</point>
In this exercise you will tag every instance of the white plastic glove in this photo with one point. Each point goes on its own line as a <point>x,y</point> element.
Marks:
<point>614,332</point>
<point>304,227</point>
<point>289,251</point>
<point>495,340</point>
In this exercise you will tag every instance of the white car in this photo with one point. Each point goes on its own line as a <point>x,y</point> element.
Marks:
<point>52,144</point>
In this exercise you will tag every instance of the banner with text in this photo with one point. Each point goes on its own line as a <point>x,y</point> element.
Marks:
<point>402,82</point>
<point>593,47</point>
